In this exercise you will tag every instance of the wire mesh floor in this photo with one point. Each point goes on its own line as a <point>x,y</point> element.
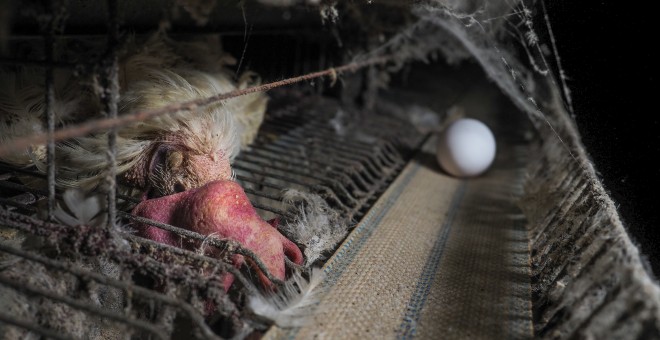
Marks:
<point>88,281</point>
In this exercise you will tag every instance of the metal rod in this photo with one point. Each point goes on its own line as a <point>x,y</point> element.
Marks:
<point>32,291</point>
<point>202,260</point>
<point>271,209</point>
<point>367,162</point>
<point>315,143</point>
<point>262,194</point>
<point>136,291</point>
<point>282,168</point>
<point>104,124</point>
<point>60,232</point>
<point>261,183</point>
<point>110,100</point>
<point>347,146</point>
<point>354,167</point>
<point>49,107</point>
<point>31,326</point>
<point>236,247</point>
<point>274,176</point>
<point>325,173</point>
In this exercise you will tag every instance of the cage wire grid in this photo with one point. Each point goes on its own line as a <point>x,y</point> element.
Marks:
<point>303,146</point>
<point>299,146</point>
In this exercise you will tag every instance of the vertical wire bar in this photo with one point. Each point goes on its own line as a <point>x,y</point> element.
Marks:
<point>49,42</point>
<point>111,97</point>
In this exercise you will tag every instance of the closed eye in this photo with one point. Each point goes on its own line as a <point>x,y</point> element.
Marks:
<point>159,157</point>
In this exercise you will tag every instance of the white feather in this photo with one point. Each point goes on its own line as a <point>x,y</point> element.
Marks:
<point>316,226</point>
<point>84,210</point>
<point>293,305</point>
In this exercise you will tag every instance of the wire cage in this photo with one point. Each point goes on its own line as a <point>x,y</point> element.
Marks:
<point>100,280</point>
<point>534,248</point>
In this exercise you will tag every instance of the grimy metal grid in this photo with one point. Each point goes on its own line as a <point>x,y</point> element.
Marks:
<point>165,290</point>
<point>295,159</point>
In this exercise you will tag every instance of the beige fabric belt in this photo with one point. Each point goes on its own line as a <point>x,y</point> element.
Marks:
<point>435,257</point>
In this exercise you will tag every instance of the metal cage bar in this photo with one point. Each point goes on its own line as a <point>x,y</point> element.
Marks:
<point>297,147</point>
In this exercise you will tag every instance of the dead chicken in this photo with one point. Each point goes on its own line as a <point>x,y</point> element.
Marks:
<point>162,156</point>
<point>174,152</point>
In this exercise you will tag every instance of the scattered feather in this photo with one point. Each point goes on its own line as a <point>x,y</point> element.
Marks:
<point>424,118</point>
<point>338,123</point>
<point>316,226</point>
<point>84,210</point>
<point>294,304</point>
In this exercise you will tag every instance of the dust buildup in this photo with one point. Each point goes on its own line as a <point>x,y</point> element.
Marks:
<point>587,277</point>
<point>57,316</point>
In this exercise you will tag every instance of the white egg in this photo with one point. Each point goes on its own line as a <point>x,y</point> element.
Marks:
<point>466,148</point>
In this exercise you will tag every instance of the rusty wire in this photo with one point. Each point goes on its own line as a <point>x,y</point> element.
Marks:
<point>133,117</point>
<point>221,244</point>
<point>31,326</point>
<point>110,99</point>
<point>369,162</point>
<point>34,291</point>
<point>360,172</point>
<point>88,239</point>
<point>134,290</point>
<point>49,103</point>
<point>309,154</point>
<point>95,242</point>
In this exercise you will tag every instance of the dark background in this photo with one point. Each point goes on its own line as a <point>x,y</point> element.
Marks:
<point>606,50</point>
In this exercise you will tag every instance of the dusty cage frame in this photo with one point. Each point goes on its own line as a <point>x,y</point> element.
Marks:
<point>358,172</point>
